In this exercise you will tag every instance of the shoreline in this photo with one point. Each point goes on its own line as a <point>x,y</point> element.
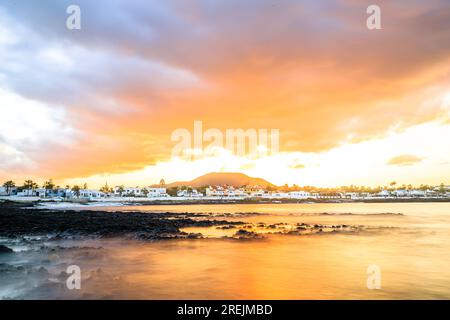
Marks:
<point>158,202</point>
<point>17,221</point>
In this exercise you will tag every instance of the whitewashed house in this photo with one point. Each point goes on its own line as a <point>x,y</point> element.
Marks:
<point>134,192</point>
<point>329,195</point>
<point>39,192</point>
<point>432,194</point>
<point>299,195</point>
<point>384,194</point>
<point>3,191</point>
<point>276,195</point>
<point>189,194</point>
<point>157,193</point>
<point>215,192</point>
<point>238,193</point>
<point>258,194</point>
<point>418,193</point>
<point>400,193</point>
<point>232,192</point>
<point>91,194</point>
<point>351,195</point>
<point>128,192</point>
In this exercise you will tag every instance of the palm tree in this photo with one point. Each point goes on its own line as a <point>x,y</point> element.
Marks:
<point>172,191</point>
<point>392,184</point>
<point>105,188</point>
<point>48,185</point>
<point>76,190</point>
<point>145,191</point>
<point>120,189</point>
<point>66,193</point>
<point>30,185</point>
<point>9,185</point>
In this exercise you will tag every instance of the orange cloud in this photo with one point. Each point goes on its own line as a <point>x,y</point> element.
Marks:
<point>315,73</point>
<point>404,160</point>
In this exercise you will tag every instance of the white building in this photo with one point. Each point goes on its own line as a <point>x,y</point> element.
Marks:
<point>384,194</point>
<point>401,193</point>
<point>417,193</point>
<point>128,192</point>
<point>351,195</point>
<point>39,192</point>
<point>258,194</point>
<point>157,193</point>
<point>189,194</point>
<point>229,192</point>
<point>215,192</point>
<point>276,195</point>
<point>299,195</point>
<point>91,194</point>
<point>134,192</point>
<point>238,193</point>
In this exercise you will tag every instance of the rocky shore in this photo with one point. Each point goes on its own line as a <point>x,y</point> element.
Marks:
<point>17,220</point>
<point>27,221</point>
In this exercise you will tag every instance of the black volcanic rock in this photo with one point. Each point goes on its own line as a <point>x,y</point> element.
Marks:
<point>19,221</point>
<point>5,249</point>
<point>244,234</point>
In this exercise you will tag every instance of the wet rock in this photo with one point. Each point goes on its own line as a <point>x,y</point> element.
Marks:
<point>226,227</point>
<point>244,234</point>
<point>54,224</point>
<point>5,249</point>
<point>195,236</point>
<point>42,271</point>
<point>63,275</point>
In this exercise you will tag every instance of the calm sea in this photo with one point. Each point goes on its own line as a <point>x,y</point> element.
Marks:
<point>409,243</point>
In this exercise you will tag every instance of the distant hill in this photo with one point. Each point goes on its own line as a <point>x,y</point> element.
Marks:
<point>234,179</point>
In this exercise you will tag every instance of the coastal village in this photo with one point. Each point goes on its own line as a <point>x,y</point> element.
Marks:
<point>30,191</point>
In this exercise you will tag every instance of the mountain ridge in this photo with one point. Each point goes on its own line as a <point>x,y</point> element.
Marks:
<point>235,179</point>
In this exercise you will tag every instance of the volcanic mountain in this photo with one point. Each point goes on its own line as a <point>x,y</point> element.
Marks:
<point>234,179</point>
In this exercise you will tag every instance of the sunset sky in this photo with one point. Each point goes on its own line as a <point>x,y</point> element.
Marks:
<point>353,106</point>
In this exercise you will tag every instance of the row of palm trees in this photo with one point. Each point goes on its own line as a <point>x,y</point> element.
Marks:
<point>30,186</point>
<point>120,190</point>
<point>392,186</point>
